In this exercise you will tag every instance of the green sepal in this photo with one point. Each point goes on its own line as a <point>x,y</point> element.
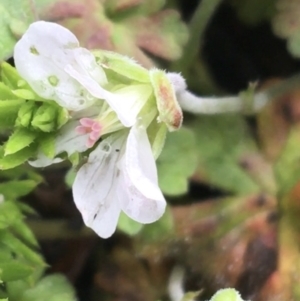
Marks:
<point>70,177</point>
<point>122,65</point>
<point>9,112</point>
<point>16,15</point>
<point>17,158</point>
<point>169,110</point>
<point>157,133</point>
<point>75,158</point>
<point>62,117</point>
<point>20,139</point>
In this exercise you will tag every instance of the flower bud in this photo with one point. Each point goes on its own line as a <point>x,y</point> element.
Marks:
<point>45,118</point>
<point>25,113</point>
<point>168,107</point>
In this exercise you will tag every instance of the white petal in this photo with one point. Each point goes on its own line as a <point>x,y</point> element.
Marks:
<point>69,140</point>
<point>136,205</point>
<point>88,65</point>
<point>126,102</point>
<point>94,186</point>
<point>43,161</point>
<point>40,57</point>
<point>144,201</point>
<point>130,101</point>
<point>106,216</point>
<point>50,36</point>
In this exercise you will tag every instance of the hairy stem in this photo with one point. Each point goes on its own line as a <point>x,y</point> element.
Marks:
<point>243,103</point>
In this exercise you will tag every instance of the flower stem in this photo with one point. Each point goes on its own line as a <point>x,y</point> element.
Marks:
<point>197,27</point>
<point>244,103</point>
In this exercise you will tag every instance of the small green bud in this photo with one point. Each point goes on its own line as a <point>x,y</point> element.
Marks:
<point>45,118</point>
<point>25,113</point>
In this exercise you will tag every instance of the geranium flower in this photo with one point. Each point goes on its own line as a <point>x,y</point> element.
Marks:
<point>129,108</point>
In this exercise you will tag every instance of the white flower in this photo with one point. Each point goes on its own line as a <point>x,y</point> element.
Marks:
<point>49,58</point>
<point>120,175</point>
<point>103,102</point>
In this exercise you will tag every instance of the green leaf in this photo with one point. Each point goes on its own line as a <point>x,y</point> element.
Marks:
<point>17,158</point>
<point>25,94</point>
<point>222,142</point>
<point>50,288</point>
<point>9,111</point>
<point>5,92</point>
<point>9,214</point>
<point>177,162</point>
<point>22,173</point>
<point>15,189</point>
<point>254,12</point>
<point>11,271</point>
<point>11,77</point>
<point>25,233</point>
<point>128,225</point>
<point>287,168</point>
<point>47,144</point>
<point>21,249</point>
<point>21,138</point>
<point>17,14</point>
<point>158,231</point>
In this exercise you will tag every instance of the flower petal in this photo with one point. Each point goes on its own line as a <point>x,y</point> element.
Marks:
<point>144,201</point>
<point>87,64</point>
<point>40,56</point>
<point>43,161</point>
<point>138,207</point>
<point>126,102</point>
<point>94,188</point>
<point>106,216</point>
<point>68,140</point>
